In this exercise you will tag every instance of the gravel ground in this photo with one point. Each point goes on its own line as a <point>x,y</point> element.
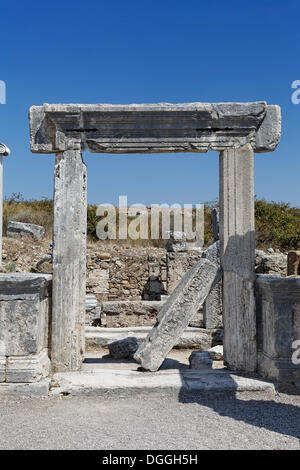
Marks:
<point>248,421</point>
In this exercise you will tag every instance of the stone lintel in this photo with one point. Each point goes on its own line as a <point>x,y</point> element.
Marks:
<point>154,128</point>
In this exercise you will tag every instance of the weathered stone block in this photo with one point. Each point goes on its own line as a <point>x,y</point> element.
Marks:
<point>293,263</point>
<point>200,360</point>
<point>126,313</point>
<point>216,353</point>
<point>270,263</point>
<point>278,326</point>
<point>2,368</point>
<point>152,128</point>
<point>177,265</point>
<point>15,229</point>
<point>176,314</point>
<point>24,313</point>
<point>176,242</point>
<point>213,306</point>
<point>26,369</point>
<point>123,348</point>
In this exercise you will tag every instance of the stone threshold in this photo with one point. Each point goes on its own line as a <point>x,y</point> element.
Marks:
<point>124,383</point>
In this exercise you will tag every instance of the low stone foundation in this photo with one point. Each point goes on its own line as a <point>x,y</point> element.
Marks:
<point>278,327</point>
<point>25,310</point>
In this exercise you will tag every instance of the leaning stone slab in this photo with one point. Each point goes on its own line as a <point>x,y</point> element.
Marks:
<point>176,314</point>
<point>124,348</point>
<point>15,229</point>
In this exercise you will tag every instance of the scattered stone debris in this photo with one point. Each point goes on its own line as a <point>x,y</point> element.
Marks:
<point>123,348</point>
<point>16,229</point>
<point>270,262</point>
<point>216,353</point>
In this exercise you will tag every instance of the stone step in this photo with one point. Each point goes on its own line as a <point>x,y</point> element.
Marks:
<point>175,382</point>
<point>192,337</point>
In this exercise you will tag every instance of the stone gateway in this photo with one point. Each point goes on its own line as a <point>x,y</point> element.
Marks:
<point>236,130</point>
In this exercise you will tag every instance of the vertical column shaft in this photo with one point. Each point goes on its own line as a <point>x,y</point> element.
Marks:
<point>69,261</point>
<point>237,245</point>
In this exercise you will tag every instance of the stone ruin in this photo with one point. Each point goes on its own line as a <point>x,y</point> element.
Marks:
<point>55,306</point>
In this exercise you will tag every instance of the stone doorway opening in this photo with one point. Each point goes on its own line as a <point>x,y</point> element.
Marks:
<point>235,130</point>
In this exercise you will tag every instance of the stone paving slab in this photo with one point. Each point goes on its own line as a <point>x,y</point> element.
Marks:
<point>128,382</point>
<point>35,389</point>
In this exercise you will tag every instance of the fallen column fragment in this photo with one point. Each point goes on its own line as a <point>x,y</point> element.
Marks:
<point>176,314</point>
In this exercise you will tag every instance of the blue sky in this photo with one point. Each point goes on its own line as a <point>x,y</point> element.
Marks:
<point>149,51</point>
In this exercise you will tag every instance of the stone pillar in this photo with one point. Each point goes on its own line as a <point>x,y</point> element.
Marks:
<point>237,245</point>
<point>69,261</point>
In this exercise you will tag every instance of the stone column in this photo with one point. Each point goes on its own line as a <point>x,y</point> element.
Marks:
<point>237,245</point>
<point>69,261</point>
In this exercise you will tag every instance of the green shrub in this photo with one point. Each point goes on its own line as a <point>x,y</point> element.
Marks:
<point>277,224</point>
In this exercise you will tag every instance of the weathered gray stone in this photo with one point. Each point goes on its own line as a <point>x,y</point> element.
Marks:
<point>92,310</point>
<point>200,360</point>
<point>268,134</point>
<point>215,223</point>
<point>278,327</point>
<point>125,313</point>
<point>161,127</point>
<point>124,348</point>
<point>213,253</point>
<point>24,313</point>
<point>237,247</point>
<point>15,229</point>
<point>177,265</point>
<point>293,263</point>
<point>69,260</point>
<point>192,338</point>
<point>177,242</point>
<point>29,368</point>
<point>270,263</point>
<point>25,302</point>
<point>2,368</point>
<point>213,306</point>
<point>176,313</point>
<point>216,353</point>
<point>35,389</point>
